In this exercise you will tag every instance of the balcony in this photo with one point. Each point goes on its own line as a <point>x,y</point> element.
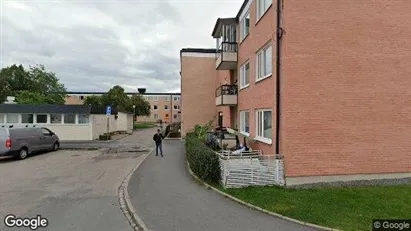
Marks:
<point>226,43</point>
<point>226,56</point>
<point>226,95</point>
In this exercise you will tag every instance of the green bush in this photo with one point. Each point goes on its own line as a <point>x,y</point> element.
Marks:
<point>203,161</point>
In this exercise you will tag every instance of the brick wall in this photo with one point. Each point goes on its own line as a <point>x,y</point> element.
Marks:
<point>346,87</point>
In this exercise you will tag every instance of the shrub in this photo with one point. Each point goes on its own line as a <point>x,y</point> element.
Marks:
<point>203,161</point>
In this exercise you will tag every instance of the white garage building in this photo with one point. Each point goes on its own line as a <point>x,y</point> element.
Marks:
<point>69,122</point>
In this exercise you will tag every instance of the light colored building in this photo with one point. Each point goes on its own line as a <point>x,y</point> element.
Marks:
<point>325,84</point>
<point>69,122</point>
<point>163,106</point>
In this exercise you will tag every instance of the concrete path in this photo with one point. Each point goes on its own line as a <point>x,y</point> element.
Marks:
<point>166,198</point>
<point>74,190</point>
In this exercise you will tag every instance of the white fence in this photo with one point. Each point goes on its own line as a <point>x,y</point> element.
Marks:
<point>250,169</point>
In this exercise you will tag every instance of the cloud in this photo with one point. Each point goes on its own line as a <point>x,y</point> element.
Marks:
<point>94,45</point>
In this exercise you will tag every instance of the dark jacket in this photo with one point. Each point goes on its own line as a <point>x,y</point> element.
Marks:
<point>158,138</point>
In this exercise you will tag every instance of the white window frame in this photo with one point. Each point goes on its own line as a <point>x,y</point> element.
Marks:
<point>23,114</point>
<point>37,121</point>
<point>242,75</point>
<point>243,32</point>
<point>51,118</point>
<point>166,107</point>
<point>86,116</point>
<point>13,114</point>
<point>260,12</point>
<point>154,107</point>
<point>176,98</point>
<point>155,98</point>
<point>263,52</point>
<point>176,107</point>
<point>65,116</point>
<point>260,136</point>
<point>155,116</point>
<point>175,116</point>
<point>242,122</point>
<point>2,118</point>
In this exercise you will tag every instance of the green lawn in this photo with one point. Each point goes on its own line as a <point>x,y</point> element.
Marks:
<point>349,208</point>
<point>144,125</point>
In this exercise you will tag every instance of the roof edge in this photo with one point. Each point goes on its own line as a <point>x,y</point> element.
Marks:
<point>241,10</point>
<point>199,50</point>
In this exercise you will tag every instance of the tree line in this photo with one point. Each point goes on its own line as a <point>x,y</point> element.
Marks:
<point>35,85</point>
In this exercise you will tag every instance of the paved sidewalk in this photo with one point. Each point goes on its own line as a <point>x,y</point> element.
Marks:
<point>166,198</point>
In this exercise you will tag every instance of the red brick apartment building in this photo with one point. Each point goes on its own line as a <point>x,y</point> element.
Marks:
<point>325,84</point>
<point>163,106</point>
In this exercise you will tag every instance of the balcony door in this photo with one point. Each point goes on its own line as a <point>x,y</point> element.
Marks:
<point>220,119</point>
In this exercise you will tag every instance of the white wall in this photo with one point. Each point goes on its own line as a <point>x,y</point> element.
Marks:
<point>125,122</point>
<point>71,132</point>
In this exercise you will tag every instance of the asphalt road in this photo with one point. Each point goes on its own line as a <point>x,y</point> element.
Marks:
<point>74,190</point>
<point>166,198</point>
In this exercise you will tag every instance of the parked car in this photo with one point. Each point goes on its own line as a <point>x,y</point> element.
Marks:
<point>21,142</point>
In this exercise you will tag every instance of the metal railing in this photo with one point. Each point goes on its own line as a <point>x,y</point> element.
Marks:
<point>226,90</point>
<point>226,47</point>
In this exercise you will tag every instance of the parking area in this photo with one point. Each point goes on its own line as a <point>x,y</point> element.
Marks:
<point>73,189</point>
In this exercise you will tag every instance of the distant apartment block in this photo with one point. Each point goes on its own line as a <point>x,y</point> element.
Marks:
<point>163,106</point>
<point>323,84</point>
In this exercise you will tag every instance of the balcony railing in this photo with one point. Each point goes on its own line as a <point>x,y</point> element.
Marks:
<point>226,90</point>
<point>231,47</point>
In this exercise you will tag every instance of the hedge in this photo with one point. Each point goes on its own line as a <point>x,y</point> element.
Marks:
<point>202,159</point>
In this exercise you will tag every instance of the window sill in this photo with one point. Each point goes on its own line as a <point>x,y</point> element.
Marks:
<point>265,77</point>
<point>265,12</point>
<point>244,87</point>
<point>245,133</point>
<point>263,139</point>
<point>242,40</point>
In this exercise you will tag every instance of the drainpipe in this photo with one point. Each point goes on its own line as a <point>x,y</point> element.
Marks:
<point>278,72</point>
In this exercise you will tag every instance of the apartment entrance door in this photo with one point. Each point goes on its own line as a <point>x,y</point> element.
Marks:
<point>220,119</point>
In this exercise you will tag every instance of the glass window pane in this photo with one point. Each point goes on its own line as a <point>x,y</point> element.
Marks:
<point>1,118</point>
<point>41,119</point>
<point>247,74</point>
<point>27,118</point>
<point>83,119</point>
<point>12,118</point>
<point>247,122</point>
<point>69,118</point>
<point>268,61</point>
<point>267,124</point>
<point>55,118</point>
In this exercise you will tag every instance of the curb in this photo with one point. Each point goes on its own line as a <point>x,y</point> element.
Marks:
<point>125,204</point>
<point>255,207</point>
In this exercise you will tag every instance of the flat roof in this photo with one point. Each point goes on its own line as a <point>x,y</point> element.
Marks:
<point>101,93</point>
<point>199,50</point>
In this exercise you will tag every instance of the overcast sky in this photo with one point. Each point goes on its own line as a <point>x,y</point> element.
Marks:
<point>93,45</point>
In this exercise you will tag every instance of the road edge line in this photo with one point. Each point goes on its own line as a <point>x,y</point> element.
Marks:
<point>256,207</point>
<point>125,203</point>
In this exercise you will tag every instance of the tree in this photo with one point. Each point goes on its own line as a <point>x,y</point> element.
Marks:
<point>117,98</point>
<point>142,106</point>
<point>35,85</point>
<point>93,100</point>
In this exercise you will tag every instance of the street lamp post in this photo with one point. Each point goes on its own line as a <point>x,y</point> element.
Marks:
<point>134,116</point>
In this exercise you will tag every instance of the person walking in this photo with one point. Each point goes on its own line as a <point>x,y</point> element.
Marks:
<point>158,138</point>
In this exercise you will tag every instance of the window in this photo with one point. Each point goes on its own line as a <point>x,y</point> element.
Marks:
<point>81,97</point>
<point>175,116</point>
<point>55,118</point>
<point>245,75</point>
<point>176,107</point>
<point>46,132</point>
<point>262,6</point>
<point>155,107</point>
<point>245,122</point>
<point>264,63</point>
<point>155,116</point>
<point>155,98</point>
<point>149,98</point>
<point>176,98</point>
<point>83,119</point>
<point>245,26</point>
<point>1,118</point>
<point>167,98</point>
<point>70,118</point>
<point>264,126</point>
<point>166,107</point>
<point>12,118</point>
<point>41,119</point>
<point>27,118</point>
